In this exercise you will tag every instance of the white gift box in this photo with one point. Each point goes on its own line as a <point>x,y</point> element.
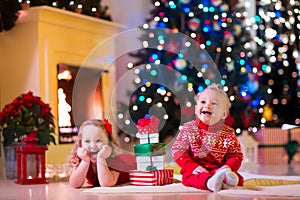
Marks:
<point>148,138</point>
<point>143,162</point>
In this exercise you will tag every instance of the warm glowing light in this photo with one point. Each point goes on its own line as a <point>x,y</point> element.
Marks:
<point>64,109</point>
<point>65,75</point>
<point>135,107</point>
<point>148,84</point>
<point>129,65</point>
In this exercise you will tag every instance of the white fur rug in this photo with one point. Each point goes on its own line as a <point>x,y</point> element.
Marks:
<point>279,190</point>
<point>126,189</point>
<point>292,190</point>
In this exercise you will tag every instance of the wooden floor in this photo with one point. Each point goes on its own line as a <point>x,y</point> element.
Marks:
<point>62,190</point>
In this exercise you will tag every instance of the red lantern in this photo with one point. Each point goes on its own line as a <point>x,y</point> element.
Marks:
<point>31,164</point>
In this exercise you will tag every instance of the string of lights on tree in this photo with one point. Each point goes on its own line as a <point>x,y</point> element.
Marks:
<point>278,36</point>
<point>257,57</point>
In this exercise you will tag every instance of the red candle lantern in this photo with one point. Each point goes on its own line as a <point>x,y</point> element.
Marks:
<point>31,164</point>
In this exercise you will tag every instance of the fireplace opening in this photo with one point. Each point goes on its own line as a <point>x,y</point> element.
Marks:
<point>80,103</point>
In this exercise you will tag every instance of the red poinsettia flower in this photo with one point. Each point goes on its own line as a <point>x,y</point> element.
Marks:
<point>26,114</point>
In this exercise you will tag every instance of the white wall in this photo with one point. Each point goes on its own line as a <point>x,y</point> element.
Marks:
<point>131,13</point>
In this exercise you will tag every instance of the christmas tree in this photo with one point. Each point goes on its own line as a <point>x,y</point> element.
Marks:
<point>278,35</point>
<point>236,43</point>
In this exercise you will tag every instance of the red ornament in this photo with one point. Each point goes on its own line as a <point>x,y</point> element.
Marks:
<point>194,23</point>
<point>161,14</point>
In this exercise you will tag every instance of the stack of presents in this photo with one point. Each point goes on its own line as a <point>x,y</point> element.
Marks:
<point>150,155</point>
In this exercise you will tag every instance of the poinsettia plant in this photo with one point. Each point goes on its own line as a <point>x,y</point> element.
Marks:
<point>27,118</point>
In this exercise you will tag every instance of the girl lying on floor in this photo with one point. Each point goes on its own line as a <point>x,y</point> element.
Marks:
<point>94,157</point>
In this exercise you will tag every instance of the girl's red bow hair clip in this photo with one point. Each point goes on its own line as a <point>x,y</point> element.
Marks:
<point>108,126</point>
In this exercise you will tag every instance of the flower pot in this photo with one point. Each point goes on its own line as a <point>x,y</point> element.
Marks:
<point>11,161</point>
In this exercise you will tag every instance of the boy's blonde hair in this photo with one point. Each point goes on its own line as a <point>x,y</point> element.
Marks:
<point>218,88</point>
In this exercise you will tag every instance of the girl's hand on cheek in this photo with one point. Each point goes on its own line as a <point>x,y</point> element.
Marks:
<point>104,152</point>
<point>83,154</point>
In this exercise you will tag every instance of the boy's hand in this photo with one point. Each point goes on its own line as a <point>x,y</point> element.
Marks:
<point>83,154</point>
<point>199,169</point>
<point>104,152</point>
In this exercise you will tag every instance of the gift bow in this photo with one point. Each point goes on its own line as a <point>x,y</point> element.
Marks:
<point>146,121</point>
<point>108,126</point>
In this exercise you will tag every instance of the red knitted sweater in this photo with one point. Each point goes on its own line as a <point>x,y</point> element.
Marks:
<point>211,147</point>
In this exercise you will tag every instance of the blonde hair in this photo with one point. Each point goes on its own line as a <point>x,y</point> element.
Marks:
<point>220,90</point>
<point>74,160</point>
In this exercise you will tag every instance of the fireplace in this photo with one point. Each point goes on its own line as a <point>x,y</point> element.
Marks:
<point>79,98</point>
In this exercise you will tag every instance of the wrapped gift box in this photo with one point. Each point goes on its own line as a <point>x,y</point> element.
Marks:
<point>151,178</point>
<point>147,125</point>
<point>156,162</point>
<point>148,138</point>
<point>150,149</point>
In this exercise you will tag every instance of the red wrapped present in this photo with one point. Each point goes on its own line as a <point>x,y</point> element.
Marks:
<point>151,178</point>
<point>148,125</point>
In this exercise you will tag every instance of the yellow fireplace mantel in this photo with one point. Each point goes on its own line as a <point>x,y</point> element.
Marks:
<point>43,37</point>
